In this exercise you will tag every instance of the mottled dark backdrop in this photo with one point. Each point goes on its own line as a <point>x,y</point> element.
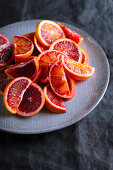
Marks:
<point>88,144</point>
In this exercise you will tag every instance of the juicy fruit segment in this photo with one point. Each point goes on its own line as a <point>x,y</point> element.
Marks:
<point>45,75</point>
<point>49,57</point>
<point>6,51</point>
<point>4,80</point>
<point>28,68</point>
<point>68,47</point>
<point>13,93</point>
<point>32,101</point>
<point>58,81</point>
<point>37,77</point>
<point>23,48</point>
<point>39,46</point>
<point>48,31</point>
<point>53,102</point>
<point>71,34</point>
<point>30,36</point>
<point>72,88</point>
<point>76,70</point>
<point>84,56</point>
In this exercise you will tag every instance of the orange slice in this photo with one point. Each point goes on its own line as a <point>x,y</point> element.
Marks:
<point>84,56</point>
<point>68,47</point>
<point>39,46</point>
<point>76,70</point>
<point>71,34</point>
<point>48,31</point>
<point>49,57</point>
<point>23,48</point>
<point>30,36</point>
<point>37,77</point>
<point>58,81</point>
<point>28,68</point>
<point>53,103</point>
<point>45,75</point>
<point>6,51</point>
<point>72,88</point>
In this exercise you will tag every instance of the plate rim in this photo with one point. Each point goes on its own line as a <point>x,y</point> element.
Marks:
<point>54,128</point>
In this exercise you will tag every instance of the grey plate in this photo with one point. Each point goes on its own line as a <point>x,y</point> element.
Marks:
<point>88,93</point>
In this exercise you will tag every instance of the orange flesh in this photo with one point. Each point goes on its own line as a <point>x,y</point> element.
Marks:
<point>50,33</point>
<point>45,75</point>
<point>39,46</point>
<point>84,57</point>
<point>30,36</point>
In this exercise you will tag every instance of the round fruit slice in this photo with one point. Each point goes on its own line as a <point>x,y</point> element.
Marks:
<point>76,70</point>
<point>6,51</point>
<point>4,80</point>
<point>45,75</point>
<point>39,46</point>
<point>84,56</point>
<point>37,77</point>
<point>53,102</point>
<point>58,81</point>
<point>71,34</point>
<point>49,57</point>
<point>72,88</point>
<point>30,36</point>
<point>48,31</point>
<point>23,48</point>
<point>14,92</point>
<point>32,101</point>
<point>68,47</point>
<point>28,68</point>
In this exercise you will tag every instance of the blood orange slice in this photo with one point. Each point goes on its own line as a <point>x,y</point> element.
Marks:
<point>6,51</point>
<point>49,57</point>
<point>32,101</point>
<point>14,92</point>
<point>72,88</point>
<point>23,48</point>
<point>37,77</point>
<point>71,34</point>
<point>45,75</point>
<point>58,81</point>
<point>30,36</point>
<point>28,68</point>
<point>68,47</point>
<point>53,102</point>
<point>76,70</point>
<point>39,46</point>
<point>48,31</point>
<point>84,56</point>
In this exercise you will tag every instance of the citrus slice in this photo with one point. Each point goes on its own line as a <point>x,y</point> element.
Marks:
<point>58,81</point>
<point>23,48</point>
<point>37,77</point>
<point>32,101</point>
<point>49,57</point>
<point>39,46</point>
<point>45,75</point>
<point>76,70</point>
<point>30,36</point>
<point>48,31</point>
<point>53,102</point>
<point>71,34</point>
<point>14,92</point>
<point>68,47</point>
<point>72,88</point>
<point>6,51</point>
<point>28,68</point>
<point>84,56</point>
<point>4,80</point>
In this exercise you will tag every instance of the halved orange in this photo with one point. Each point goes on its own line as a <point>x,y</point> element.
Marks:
<point>6,51</point>
<point>48,31</point>
<point>28,68</point>
<point>39,46</point>
<point>58,80</point>
<point>72,88</point>
<point>45,75</point>
<point>71,34</point>
<point>76,70</point>
<point>53,102</point>
<point>49,57</point>
<point>84,56</point>
<point>23,97</point>
<point>68,47</point>
<point>23,48</point>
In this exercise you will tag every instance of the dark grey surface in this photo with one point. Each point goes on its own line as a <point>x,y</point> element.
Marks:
<point>89,143</point>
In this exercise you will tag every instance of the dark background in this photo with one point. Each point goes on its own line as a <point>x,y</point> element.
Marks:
<point>88,144</point>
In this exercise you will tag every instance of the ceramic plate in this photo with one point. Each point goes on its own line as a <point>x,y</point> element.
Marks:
<point>88,93</point>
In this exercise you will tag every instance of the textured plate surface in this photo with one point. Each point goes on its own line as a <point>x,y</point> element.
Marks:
<point>88,93</point>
